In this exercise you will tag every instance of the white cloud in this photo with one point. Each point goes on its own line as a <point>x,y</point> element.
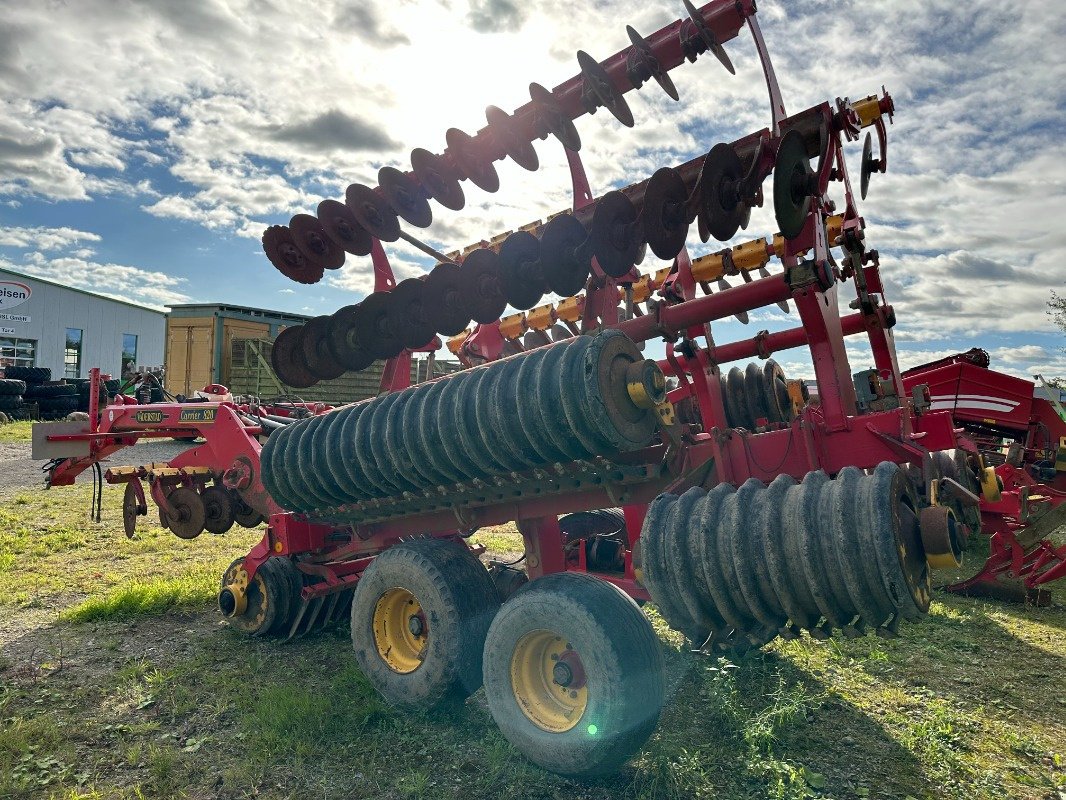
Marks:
<point>44,238</point>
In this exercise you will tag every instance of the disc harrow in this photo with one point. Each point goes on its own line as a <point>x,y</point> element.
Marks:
<point>746,511</point>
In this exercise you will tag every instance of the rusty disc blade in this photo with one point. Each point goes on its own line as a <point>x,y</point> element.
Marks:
<point>614,234</point>
<point>439,182</point>
<point>188,517</point>
<point>504,132</point>
<point>665,213</point>
<point>472,162</point>
<point>373,212</point>
<point>599,86</point>
<point>405,197</point>
<point>286,358</point>
<point>482,286</point>
<point>521,270</point>
<point>551,118</point>
<point>720,204</point>
<point>564,255</point>
<point>343,342</point>
<point>868,165</point>
<point>446,309</point>
<point>372,327</point>
<point>281,248</point>
<point>642,56</point>
<point>310,236</point>
<point>709,38</point>
<point>341,226</point>
<point>407,314</point>
<point>131,509</point>
<point>320,362</point>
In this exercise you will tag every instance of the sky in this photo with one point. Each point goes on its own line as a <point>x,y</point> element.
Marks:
<point>145,145</point>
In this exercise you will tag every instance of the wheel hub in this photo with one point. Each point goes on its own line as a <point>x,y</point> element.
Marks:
<point>548,681</point>
<point>400,630</point>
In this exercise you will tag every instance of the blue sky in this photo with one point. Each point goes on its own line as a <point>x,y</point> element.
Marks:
<point>145,145</point>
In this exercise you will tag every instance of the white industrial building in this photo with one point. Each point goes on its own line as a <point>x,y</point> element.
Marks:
<point>46,324</point>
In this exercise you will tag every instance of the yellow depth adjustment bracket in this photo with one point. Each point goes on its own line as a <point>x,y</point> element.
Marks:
<point>513,326</point>
<point>531,227</point>
<point>991,489</point>
<point>541,318</point>
<point>571,309</point>
<point>456,342</point>
<point>710,267</point>
<point>834,227</point>
<point>868,109</point>
<point>642,289</point>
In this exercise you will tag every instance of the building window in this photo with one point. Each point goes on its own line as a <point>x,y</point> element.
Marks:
<point>72,354</point>
<point>17,352</point>
<point>129,352</point>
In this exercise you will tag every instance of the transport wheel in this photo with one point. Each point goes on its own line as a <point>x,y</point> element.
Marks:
<point>574,674</point>
<point>218,509</point>
<point>187,521</point>
<point>419,618</point>
<point>267,600</point>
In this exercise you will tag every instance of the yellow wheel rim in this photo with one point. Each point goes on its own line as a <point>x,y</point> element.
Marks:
<point>400,630</point>
<point>548,680</point>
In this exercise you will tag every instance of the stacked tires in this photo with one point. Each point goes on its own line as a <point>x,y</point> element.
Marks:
<point>54,399</point>
<point>11,403</point>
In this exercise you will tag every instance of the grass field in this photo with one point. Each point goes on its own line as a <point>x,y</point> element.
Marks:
<point>117,679</point>
<point>16,431</point>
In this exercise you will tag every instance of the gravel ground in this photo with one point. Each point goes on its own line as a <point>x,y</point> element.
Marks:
<point>18,471</point>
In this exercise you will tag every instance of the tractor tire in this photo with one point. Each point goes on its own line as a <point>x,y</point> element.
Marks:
<point>420,614</point>
<point>556,633</point>
<point>10,387</point>
<point>9,402</point>
<point>29,374</point>
<point>56,404</point>
<point>51,390</point>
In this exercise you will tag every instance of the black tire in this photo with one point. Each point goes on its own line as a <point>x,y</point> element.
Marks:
<point>621,659</point>
<point>269,596</point>
<point>112,386</point>
<point>29,374</point>
<point>9,402</point>
<point>51,390</point>
<point>218,509</point>
<point>456,599</point>
<point>155,395</point>
<point>54,404</point>
<point>10,387</point>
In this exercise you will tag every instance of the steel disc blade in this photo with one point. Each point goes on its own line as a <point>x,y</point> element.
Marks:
<point>708,37</point>
<point>792,185</point>
<point>439,182</point>
<point>665,215</point>
<point>318,248</point>
<point>867,165</point>
<point>614,234</point>
<point>521,270</point>
<point>314,344</point>
<point>719,184</point>
<point>373,212</point>
<point>446,309</point>
<point>645,56</point>
<point>482,286</point>
<point>405,197</point>
<point>598,82</point>
<point>553,119</point>
<point>534,339</point>
<point>564,256</point>
<point>472,162</point>
<point>343,228</point>
<point>343,341</point>
<point>407,314</point>
<point>285,255</point>
<point>506,135</point>
<point>286,358</point>
<point>372,327</point>
<point>560,332</point>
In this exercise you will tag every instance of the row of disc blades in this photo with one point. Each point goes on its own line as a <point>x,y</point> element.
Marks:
<point>561,259</point>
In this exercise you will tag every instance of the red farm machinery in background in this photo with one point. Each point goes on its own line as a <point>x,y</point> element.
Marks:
<point>1023,436</point>
<point>724,497</point>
